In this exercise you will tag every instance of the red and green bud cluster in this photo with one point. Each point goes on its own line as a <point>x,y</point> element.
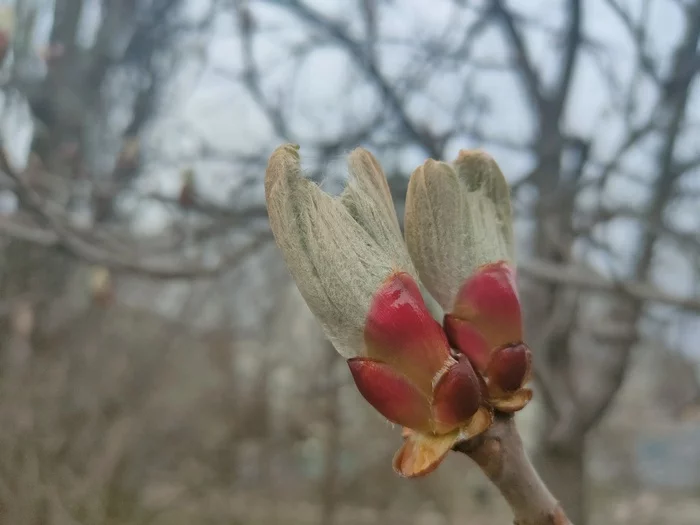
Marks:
<point>431,326</point>
<point>486,325</point>
<point>413,377</point>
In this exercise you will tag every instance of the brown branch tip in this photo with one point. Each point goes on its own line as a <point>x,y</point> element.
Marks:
<point>500,454</point>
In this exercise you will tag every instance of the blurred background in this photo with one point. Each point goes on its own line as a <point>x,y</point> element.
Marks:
<point>157,363</point>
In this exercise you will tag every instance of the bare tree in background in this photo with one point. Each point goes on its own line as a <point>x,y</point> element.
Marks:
<point>512,81</point>
<point>80,405</point>
<point>89,95</point>
<point>587,299</point>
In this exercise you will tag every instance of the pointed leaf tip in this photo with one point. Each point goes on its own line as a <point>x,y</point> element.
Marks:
<point>284,161</point>
<point>368,199</point>
<point>480,171</point>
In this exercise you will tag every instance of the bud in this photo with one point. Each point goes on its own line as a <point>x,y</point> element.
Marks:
<point>22,319</point>
<point>187,188</point>
<point>129,154</point>
<point>101,286</point>
<point>409,376</point>
<point>352,268</point>
<point>463,250</point>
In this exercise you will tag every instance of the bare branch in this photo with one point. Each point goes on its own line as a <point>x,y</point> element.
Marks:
<point>579,277</point>
<point>374,75</point>
<point>527,69</point>
<point>61,234</point>
<point>573,43</point>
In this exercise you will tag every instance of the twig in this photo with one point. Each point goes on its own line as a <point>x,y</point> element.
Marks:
<point>500,454</point>
<point>531,79</point>
<point>337,33</point>
<point>579,277</point>
<point>59,233</point>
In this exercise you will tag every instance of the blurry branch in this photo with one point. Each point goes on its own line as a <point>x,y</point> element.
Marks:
<point>355,49</point>
<point>369,15</point>
<point>251,74</point>
<point>61,234</point>
<point>24,232</point>
<point>553,382</point>
<point>274,113</point>
<point>573,41</point>
<point>212,209</point>
<point>639,35</point>
<point>634,137</point>
<point>524,62</point>
<point>675,98</point>
<point>579,277</point>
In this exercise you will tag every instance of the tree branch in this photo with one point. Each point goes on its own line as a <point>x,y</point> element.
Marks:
<point>500,454</point>
<point>573,41</point>
<point>524,62</point>
<point>60,233</point>
<point>675,99</point>
<point>338,33</point>
<point>588,279</point>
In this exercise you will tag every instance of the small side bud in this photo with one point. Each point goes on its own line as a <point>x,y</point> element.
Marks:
<point>101,286</point>
<point>187,194</point>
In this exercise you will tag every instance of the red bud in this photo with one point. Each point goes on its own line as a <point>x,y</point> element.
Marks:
<point>391,394</point>
<point>489,301</point>
<point>509,368</point>
<point>463,336</point>
<point>456,396</point>
<point>401,332</point>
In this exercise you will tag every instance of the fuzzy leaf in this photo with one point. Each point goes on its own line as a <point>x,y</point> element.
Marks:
<point>336,263</point>
<point>458,218</point>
